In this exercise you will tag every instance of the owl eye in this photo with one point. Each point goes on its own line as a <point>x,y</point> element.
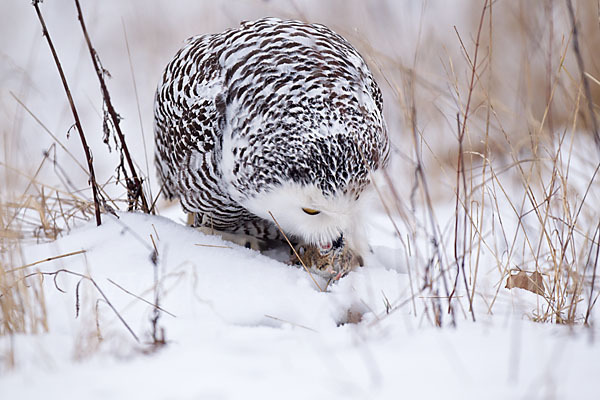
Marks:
<point>310,211</point>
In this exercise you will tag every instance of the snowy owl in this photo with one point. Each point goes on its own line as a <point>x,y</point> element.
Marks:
<point>278,118</point>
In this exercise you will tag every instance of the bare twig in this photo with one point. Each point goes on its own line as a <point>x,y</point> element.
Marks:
<point>137,101</point>
<point>294,250</point>
<point>291,323</point>
<point>435,231</point>
<point>158,333</point>
<point>134,185</point>
<point>141,298</point>
<point>45,128</point>
<point>391,219</point>
<point>46,260</point>
<point>153,206</point>
<point>55,274</point>
<point>460,265</point>
<point>590,305</point>
<point>584,79</point>
<point>460,261</point>
<point>86,149</point>
<point>212,245</point>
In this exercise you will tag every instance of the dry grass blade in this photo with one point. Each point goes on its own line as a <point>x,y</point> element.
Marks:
<point>46,260</point>
<point>134,186</point>
<point>295,252</point>
<point>55,274</point>
<point>460,172</point>
<point>396,229</point>
<point>584,78</point>
<point>436,236</point>
<point>86,148</point>
<point>139,110</point>
<point>45,128</point>
<point>213,245</point>
<point>141,298</point>
<point>593,283</point>
<point>291,323</point>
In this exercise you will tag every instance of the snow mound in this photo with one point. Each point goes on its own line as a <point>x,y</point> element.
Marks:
<point>241,324</point>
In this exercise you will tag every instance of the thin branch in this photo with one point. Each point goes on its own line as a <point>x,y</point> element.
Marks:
<point>141,298</point>
<point>86,149</point>
<point>435,231</point>
<point>134,188</point>
<point>89,278</point>
<point>584,79</point>
<point>212,245</point>
<point>590,305</point>
<point>137,101</point>
<point>294,250</point>
<point>46,260</point>
<point>460,265</point>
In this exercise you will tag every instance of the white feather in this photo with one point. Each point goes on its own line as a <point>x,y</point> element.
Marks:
<point>340,214</point>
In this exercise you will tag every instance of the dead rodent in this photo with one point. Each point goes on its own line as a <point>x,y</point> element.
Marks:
<point>332,265</point>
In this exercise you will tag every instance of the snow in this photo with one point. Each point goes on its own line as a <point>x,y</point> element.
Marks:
<point>247,325</point>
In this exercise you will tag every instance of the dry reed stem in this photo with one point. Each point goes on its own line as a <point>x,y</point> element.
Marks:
<point>295,252</point>
<point>135,189</point>
<point>86,148</point>
<point>421,183</point>
<point>141,298</point>
<point>45,128</point>
<point>291,323</point>
<point>460,171</point>
<point>543,209</point>
<point>139,110</point>
<point>535,206</point>
<point>213,245</point>
<point>484,166</point>
<point>55,274</point>
<point>584,79</point>
<point>396,229</point>
<point>74,253</point>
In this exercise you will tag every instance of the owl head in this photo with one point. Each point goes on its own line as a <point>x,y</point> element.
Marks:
<point>306,213</point>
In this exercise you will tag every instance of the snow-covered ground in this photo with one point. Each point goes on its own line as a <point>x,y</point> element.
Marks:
<point>244,325</point>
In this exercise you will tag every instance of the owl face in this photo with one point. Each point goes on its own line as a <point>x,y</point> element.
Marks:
<point>303,211</point>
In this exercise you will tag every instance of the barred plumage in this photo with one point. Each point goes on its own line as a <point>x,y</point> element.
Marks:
<point>273,116</point>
